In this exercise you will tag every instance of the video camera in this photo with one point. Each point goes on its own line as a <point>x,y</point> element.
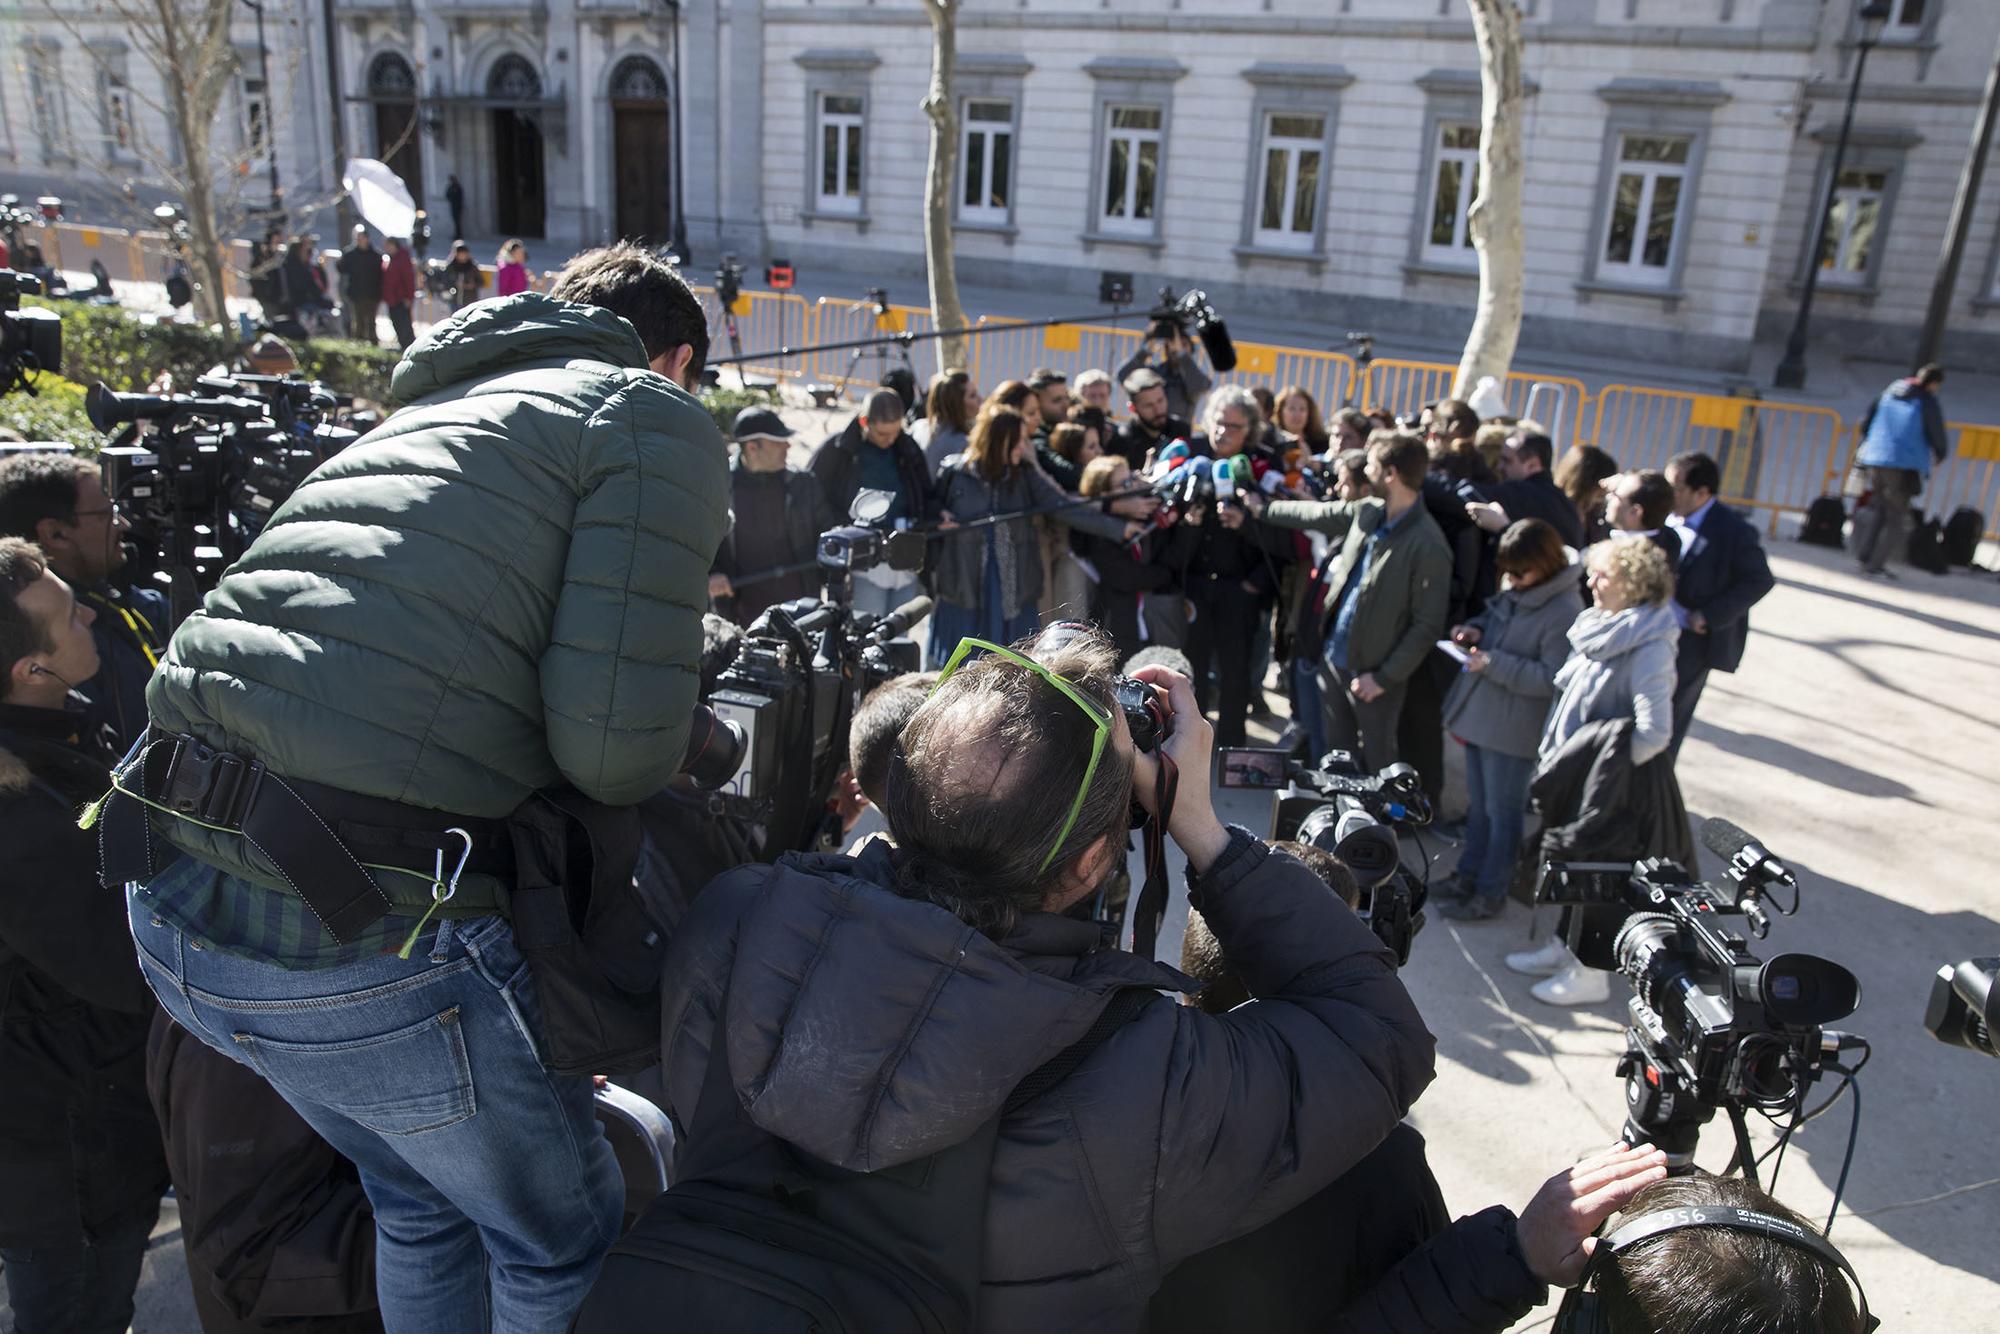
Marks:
<point>1964,1009</point>
<point>31,339</point>
<point>1197,319</point>
<point>200,475</point>
<point>799,673</point>
<point>728,281</point>
<point>1711,1025</point>
<point>1354,816</point>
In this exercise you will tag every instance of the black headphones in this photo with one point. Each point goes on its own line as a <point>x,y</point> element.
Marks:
<point>1582,1313</point>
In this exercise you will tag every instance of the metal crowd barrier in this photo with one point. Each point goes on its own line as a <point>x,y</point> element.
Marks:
<point>1969,476</point>
<point>1774,456</point>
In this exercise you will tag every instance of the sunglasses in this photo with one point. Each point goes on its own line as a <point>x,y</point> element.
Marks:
<point>1090,707</point>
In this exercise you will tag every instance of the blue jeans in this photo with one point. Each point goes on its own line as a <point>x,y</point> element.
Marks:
<point>1308,709</point>
<point>494,1190</point>
<point>1496,787</point>
<point>80,1287</point>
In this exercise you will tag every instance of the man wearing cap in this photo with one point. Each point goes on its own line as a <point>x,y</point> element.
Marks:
<point>778,514</point>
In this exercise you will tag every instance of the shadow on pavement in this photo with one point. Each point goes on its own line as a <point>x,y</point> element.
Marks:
<point>1799,763</point>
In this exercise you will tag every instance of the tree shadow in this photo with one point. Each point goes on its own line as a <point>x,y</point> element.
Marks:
<point>1798,762</point>
<point>1945,623</point>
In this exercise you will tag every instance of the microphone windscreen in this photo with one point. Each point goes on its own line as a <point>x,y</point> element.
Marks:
<point>1159,655</point>
<point>1173,452</point>
<point>1221,351</point>
<point>1724,839</point>
<point>1241,472</point>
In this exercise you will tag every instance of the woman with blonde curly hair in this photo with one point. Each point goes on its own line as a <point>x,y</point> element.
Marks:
<point>1620,666</point>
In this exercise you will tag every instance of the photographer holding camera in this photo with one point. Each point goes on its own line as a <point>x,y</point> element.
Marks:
<point>464,643</point>
<point>883,1010</point>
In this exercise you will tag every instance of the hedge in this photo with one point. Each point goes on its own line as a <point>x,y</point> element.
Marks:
<point>107,343</point>
<point>53,412</point>
<point>724,404</point>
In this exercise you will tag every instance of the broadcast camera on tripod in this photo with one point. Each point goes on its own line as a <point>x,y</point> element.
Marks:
<point>1711,1025</point>
<point>801,670</point>
<point>200,475</point>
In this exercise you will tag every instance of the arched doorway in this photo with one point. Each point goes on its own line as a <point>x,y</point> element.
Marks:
<point>642,151</point>
<point>393,90</point>
<point>520,186</point>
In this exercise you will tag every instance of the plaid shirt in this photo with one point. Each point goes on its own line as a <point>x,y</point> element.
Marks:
<point>228,913</point>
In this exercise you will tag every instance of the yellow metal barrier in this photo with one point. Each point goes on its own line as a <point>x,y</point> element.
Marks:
<point>1403,387</point>
<point>760,322</point>
<point>1010,350</point>
<point>1327,376</point>
<point>840,321</point>
<point>1774,456</point>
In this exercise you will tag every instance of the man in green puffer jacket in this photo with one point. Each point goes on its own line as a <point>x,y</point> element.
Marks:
<point>496,593</point>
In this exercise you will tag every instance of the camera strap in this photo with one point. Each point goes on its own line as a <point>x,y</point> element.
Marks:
<point>1150,908</point>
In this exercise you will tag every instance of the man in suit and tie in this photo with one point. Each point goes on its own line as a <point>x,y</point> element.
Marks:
<point>1722,575</point>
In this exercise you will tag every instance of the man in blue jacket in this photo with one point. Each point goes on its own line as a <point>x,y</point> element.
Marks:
<point>1902,435</point>
<point>1723,573</point>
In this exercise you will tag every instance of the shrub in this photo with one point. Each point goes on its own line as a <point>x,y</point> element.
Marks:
<point>724,404</point>
<point>128,352</point>
<point>53,412</point>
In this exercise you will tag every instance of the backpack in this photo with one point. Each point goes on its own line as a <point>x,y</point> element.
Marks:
<point>1927,546</point>
<point>1824,520</point>
<point>1962,532</point>
<point>758,1236</point>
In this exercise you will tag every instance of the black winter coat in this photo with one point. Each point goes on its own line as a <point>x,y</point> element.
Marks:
<point>79,1149</point>
<point>837,464</point>
<point>1597,806</point>
<point>273,1221</point>
<point>869,1030</point>
<point>1121,578</point>
<point>806,517</point>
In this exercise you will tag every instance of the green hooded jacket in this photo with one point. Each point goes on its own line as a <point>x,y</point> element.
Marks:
<point>497,591</point>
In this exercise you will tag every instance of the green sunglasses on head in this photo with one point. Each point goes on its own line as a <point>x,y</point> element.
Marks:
<point>1090,707</point>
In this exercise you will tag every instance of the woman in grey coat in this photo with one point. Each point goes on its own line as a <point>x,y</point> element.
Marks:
<point>989,576</point>
<point>1621,665</point>
<point>1514,649</point>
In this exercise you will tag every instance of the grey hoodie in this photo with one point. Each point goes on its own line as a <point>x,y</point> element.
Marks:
<point>1621,665</point>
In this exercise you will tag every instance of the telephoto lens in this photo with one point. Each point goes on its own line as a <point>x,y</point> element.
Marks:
<point>715,750</point>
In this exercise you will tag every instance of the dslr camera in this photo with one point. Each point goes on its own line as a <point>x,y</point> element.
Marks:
<point>31,339</point>
<point>1354,815</point>
<point>1710,1024</point>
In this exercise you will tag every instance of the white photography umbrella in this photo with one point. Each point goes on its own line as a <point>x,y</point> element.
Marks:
<point>380,197</point>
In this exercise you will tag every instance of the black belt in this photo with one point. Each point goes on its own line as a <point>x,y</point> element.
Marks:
<point>317,837</point>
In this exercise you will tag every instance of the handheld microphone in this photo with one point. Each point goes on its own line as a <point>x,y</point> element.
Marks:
<point>1745,854</point>
<point>1200,477</point>
<point>1169,454</point>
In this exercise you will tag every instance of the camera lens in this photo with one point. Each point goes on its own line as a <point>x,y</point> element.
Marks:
<point>715,749</point>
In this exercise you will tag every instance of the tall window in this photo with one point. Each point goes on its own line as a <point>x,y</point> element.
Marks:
<point>1288,191</point>
<point>1906,17</point>
<point>114,106</point>
<point>1853,216</point>
<point>1643,226</point>
<point>1131,169</point>
<point>1454,184</point>
<point>986,157</point>
<point>256,121</point>
<point>841,116</point>
<point>50,114</point>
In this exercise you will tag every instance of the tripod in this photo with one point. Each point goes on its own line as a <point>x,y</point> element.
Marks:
<point>880,297</point>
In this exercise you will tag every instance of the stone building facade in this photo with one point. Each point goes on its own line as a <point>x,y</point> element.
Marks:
<point>1304,159</point>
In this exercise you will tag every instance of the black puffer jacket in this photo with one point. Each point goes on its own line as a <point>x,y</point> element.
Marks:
<point>870,1030</point>
<point>79,1149</point>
